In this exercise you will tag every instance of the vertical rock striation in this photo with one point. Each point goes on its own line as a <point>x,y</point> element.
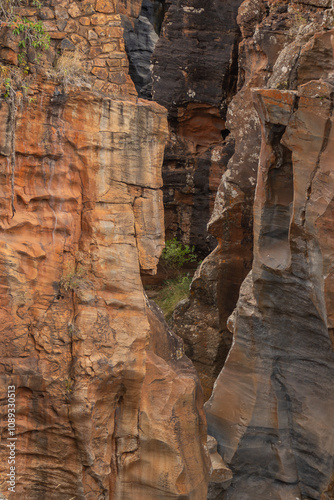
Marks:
<point>75,327</point>
<point>194,75</point>
<point>272,404</point>
<point>107,405</point>
<point>283,46</point>
<point>141,34</point>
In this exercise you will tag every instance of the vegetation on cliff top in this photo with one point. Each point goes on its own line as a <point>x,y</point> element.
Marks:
<point>32,40</point>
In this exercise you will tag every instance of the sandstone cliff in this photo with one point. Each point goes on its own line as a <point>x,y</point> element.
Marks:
<point>284,44</point>
<point>272,405</point>
<point>194,76</point>
<point>107,405</point>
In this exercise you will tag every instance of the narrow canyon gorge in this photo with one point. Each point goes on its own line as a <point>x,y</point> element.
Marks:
<point>126,124</point>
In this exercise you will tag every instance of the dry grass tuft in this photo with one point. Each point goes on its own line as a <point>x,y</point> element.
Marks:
<point>70,69</point>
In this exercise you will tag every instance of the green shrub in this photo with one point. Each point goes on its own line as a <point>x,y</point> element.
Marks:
<point>68,383</point>
<point>171,293</point>
<point>13,83</point>
<point>68,389</point>
<point>176,254</point>
<point>32,35</point>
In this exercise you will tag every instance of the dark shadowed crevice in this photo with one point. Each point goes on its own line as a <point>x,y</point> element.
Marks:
<point>154,11</point>
<point>141,36</point>
<point>225,133</point>
<point>230,82</point>
<point>201,205</point>
<point>274,238</point>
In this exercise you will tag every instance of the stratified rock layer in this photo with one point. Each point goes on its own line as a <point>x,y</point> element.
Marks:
<point>272,405</point>
<point>194,74</point>
<point>90,30</point>
<point>94,400</point>
<point>106,402</point>
<point>283,46</point>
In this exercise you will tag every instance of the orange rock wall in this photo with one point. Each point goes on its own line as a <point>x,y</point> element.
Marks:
<point>107,404</point>
<point>75,330</point>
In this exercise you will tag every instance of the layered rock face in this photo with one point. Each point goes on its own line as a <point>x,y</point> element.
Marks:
<point>75,330</point>
<point>272,405</point>
<point>141,33</point>
<point>194,75</point>
<point>283,45</point>
<point>107,405</point>
<point>90,30</point>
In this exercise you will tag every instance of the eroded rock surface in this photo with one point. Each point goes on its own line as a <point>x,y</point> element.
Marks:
<point>194,75</point>
<point>283,46</point>
<point>141,34</point>
<point>272,404</point>
<point>107,405</point>
<point>75,327</point>
<point>220,474</point>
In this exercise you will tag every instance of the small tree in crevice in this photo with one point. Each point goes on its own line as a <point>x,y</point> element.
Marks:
<point>174,258</point>
<point>175,254</point>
